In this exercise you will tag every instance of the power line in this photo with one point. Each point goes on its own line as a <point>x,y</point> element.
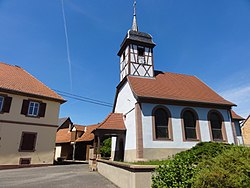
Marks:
<point>87,98</point>
<point>84,99</point>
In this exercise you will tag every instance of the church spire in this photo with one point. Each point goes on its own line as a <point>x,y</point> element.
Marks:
<point>134,25</point>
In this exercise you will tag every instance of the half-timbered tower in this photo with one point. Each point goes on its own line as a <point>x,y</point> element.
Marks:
<point>136,53</point>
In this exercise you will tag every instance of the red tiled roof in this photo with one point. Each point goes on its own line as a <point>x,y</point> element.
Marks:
<point>236,116</point>
<point>63,136</point>
<point>88,135</point>
<point>113,121</point>
<point>177,87</point>
<point>79,127</point>
<point>14,78</point>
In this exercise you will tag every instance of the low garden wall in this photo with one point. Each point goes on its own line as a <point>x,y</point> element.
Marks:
<point>126,175</point>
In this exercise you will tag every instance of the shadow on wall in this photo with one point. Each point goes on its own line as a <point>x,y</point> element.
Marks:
<point>119,149</point>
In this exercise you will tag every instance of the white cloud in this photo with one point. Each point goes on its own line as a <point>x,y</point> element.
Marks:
<point>241,97</point>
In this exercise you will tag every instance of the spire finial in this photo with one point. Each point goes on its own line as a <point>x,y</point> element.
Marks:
<point>134,7</point>
<point>134,25</point>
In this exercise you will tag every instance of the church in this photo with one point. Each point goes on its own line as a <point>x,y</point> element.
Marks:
<point>158,114</point>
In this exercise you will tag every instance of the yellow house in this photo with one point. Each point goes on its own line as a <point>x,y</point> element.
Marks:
<point>28,119</point>
<point>246,131</point>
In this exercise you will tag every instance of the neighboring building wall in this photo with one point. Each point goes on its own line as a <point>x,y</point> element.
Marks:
<point>12,125</point>
<point>51,114</point>
<point>126,104</point>
<point>163,149</point>
<point>10,143</point>
<point>246,132</point>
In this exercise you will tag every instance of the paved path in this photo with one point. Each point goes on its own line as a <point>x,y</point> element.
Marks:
<point>73,176</point>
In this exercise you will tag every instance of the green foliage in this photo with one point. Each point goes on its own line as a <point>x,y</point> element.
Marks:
<point>152,162</point>
<point>230,169</point>
<point>179,171</point>
<point>106,148</point>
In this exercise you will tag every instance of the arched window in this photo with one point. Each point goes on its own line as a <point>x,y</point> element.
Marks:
<point>190,128</point>
<point>216,126</point>
<point>161,123</point>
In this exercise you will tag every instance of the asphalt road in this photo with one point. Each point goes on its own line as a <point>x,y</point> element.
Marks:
<point>73,176</point>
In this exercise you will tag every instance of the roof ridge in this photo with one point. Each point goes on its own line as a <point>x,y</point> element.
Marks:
<point>9,64</point>
<point>175,73</point>
<point>42,83</point>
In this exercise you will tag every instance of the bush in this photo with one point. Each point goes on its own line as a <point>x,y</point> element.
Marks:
<point>106,148</point>
<point>179,171</point>
<point>230,169</point>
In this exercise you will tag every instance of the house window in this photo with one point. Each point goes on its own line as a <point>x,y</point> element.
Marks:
<point>216,126</point>
<point>28,142</point>
<point>5,103</point>
<point>141,51</point>
<point>33,108</point>
<point>238,129</point>
<point>25,161</point>
<point>190,128</point>
<point>141,58</point>
<point>1,103</point>
<point>161,124</point>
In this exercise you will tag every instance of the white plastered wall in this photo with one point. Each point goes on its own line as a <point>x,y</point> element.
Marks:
<point>58,152</point>
<point>126,104</point>
<point>177,129</point>
<point>239,137</point>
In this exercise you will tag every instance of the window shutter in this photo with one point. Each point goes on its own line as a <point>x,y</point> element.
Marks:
<point>7,104</point>
<point>42,109</point>
<point>28,142</point>
<point>25,107</point>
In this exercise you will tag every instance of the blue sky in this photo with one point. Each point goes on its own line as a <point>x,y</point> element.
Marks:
<point>209,39</point>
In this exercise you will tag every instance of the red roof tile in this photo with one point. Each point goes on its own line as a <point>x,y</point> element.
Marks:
<point>88,135</point>
<point>63,136</point>
<point>14,78</point>
<point>178,87</point>
<point>79,127</point>
<point>113,121</point>
<point>236,116</point>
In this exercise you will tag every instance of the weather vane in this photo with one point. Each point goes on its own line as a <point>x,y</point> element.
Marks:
<point>134,7</point>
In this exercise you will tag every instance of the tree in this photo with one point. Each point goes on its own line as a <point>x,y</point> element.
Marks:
<point>106,148</point>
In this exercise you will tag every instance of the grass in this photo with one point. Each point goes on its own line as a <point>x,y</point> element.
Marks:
<point>152,162</point>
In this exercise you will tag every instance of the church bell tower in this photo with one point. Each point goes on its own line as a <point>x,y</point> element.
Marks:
<point>136,53</point>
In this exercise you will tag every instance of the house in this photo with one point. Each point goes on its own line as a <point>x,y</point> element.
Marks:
<point>246,131</point>
<point>163,113</point>
<point>28,119</point>
<point>73,141</point>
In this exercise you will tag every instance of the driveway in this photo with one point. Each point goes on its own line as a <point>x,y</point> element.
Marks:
<point>54,176</point>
